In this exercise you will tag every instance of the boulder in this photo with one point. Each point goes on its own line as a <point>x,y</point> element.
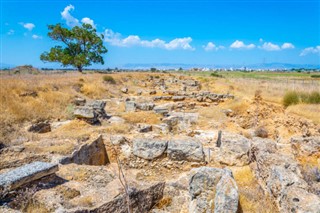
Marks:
<point>179,121</point>
<point>130,106</point>
<point>92,112</point>
<point>86,113</point>
<point>144,128</point>
<point>305,145</point>
<point>98,189</point>
<point>185,149</point>
<point>41,127</point>
<point>91,153</point>
<point>149,148</point>
<point>283,179</point>
<point>296,199</point>
<point>79,101</point>
<point>233,151</point>
<point>25,174</point>
<point>178,98</point>
<point>145,106</point>
<point>117,139</point>
<point>213,190</point>
<point>163,109</point>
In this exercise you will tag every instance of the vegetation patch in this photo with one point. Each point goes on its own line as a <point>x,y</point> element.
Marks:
<point>294,97</point>
<point>109,79</point>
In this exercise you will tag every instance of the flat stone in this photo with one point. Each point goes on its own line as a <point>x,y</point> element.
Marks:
<point>189,149</point>
<point>25,174</point>
<point>149,148</point>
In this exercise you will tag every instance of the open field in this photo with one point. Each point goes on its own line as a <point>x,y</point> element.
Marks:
<point>162,123</point>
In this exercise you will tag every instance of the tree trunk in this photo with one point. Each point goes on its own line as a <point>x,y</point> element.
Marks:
<point>79,69</point>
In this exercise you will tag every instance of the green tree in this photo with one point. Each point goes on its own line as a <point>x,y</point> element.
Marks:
<point>81,46</point>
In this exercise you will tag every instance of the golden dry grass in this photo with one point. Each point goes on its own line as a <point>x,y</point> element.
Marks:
<point>118,129</point>
<point>251,197</point>
<point>148,117</point>
<point>310,111</point>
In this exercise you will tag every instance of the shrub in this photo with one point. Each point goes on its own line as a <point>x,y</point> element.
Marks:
<point>290,98</point>
<point>293,97</point>
<point>215,74</point>
<point>315,76</point>
<point>109,79</point>
<point>314,98</point>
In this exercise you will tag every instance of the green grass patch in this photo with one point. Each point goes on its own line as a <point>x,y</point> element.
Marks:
<point>294,97</point>
<point>215,74</point>
<point>109,79</point>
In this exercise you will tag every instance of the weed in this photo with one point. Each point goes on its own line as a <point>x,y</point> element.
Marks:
<point>109,79</point>
<point>290,98</point>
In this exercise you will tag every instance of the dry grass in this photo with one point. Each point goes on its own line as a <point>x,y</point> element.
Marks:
<point>312,160</point>
<point>164,202</point>
<point>310,111</point>
<point>148,117</point>
<point>118,129</point>
<point>251,197</point>
<point>238,106</point>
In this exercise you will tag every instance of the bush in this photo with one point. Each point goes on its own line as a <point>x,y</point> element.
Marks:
<point>315,76</point>
<point>314,98</point>
<point>109,79</point>
<point>215,74</point>
<point>290,98</point>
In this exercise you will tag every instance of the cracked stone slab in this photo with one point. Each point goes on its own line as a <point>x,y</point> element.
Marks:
<point>25,174</point>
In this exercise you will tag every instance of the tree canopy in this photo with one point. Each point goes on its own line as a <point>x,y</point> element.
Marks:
<point>81,46</point>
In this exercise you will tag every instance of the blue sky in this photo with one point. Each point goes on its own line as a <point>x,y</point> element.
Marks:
<point>213,32</point>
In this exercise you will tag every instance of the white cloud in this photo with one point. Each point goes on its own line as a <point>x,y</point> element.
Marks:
<point>11,32</point>
<point>287,46</point>
<point>28,26</point>
<point>87,20</point>
<point>115,39</point>
<point>270,46</point>
<point>34,36</point>
<point>310,50</point>
<point>211,46</point>
<point>70,20</point>
<point>240,45</point>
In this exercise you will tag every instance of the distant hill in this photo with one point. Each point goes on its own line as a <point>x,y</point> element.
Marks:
<point>234,66</point>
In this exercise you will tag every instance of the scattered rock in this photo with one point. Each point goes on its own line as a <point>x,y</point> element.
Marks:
<point>145,106</point>
<point>213,190</point>
<point>179,121</point>
<point>41,127</point>
<point>305,146</point>
<point>91,153</point>
<point>117,139</point>
<point>152,92</point>
<point>29,93</point>
<point>130,106</point>
<point>25,174</point>
<point>233,151</point>
<point>144,128</point>
<point>187,148</point>
<point>92,112</point>
<point>79,101</point>
<point>178,98</point>
<point>149,148</point>
<point>124,90</point>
